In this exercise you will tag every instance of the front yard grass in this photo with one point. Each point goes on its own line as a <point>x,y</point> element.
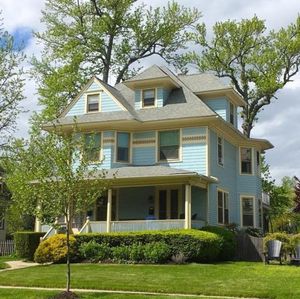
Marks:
<point>225,279</point>
<point>3,260</point>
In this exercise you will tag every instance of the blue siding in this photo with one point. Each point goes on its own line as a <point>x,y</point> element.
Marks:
<point>78,108</point>
<point>220,106</point>
<point>144,135</point>
<point>94,86</point>
<point>193,131</point>
<point>159,97</point>
<point>134,203</point>
<point>143,155</point>
<point>108,104</point>
<point>137,99</point>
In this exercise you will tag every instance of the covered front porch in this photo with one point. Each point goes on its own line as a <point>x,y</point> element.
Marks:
<point>168,199</point>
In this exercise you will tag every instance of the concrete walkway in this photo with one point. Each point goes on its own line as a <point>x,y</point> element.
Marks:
<point>126,292</point>
<point>13,265</point>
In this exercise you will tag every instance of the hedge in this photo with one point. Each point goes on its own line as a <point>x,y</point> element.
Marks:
<point>195,245</point>
<point>26,244</point>
<point>229,243</point>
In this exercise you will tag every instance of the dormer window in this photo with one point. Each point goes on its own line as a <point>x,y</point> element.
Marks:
<point>148,98</point>
<point>231,113</point>
<point>92,102</point>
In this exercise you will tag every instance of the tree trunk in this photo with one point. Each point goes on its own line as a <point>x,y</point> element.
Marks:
<point>68,256</point>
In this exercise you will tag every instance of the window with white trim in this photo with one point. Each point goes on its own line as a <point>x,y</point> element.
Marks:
<point>247,205</point>
<point>168,145</point>
<point>92,148</point>
<point>246,160</point>
<point>223,210</point>
<point>92,102</point>
<point>148,97</point>
<point>231,113</point>
<point>220,151</point>
<point>123,146</point>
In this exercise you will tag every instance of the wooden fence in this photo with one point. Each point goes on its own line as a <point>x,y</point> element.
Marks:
<point>249,248</point>
<point>7,247</point>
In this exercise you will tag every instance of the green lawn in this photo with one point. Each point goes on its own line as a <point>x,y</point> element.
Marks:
<point>227,279</point>
<point>3,260</point>
<point>29,294</point>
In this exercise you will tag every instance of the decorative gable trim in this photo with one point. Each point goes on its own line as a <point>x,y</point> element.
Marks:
<point>84,90</point>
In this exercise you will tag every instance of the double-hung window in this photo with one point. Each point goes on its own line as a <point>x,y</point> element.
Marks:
<point>123,146</point>
<point>148,97</point>
<point>247,211</point>
<point>231,113</point>
<point>92,102</point>
<point>93,147</point>
<point>220,151</point>
<point>168,143</point>
<point>223,209</point>
<point>246,160</point>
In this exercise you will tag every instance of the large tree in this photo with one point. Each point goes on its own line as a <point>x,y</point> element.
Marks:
<point>103,37</point>
<point>11,82</point>
<point>51,176</point>
<point>256,61</point>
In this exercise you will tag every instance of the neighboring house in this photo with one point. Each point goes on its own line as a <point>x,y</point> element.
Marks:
<point>173,143</point>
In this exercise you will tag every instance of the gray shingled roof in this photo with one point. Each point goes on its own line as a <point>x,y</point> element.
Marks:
<point>152,72</point>
<point>202,82</point>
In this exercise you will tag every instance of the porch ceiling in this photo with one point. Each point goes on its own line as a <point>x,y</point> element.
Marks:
<point>154,175</point>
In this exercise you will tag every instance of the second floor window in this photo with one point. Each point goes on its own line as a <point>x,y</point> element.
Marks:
<point>231,113</point>
<point>223,211</point>
<point>123,146</point>
<point>220,151</point>
<point>148,98</point>
<point>246,160</point>
<point>93,147</point>
<point>168,142</point>
<point>92,104</point>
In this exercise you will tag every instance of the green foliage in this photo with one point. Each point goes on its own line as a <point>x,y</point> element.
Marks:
<point>136,252</point>
<point>195,245</point>
<point>87,38</point>
<point>95,252</point>
<point>258,63</point>
<point>26,244</point>
<point>121,254</point>
<point>228,245</point>
<point>157,252</point>
<point>54,249</point>
<point>254,232</point>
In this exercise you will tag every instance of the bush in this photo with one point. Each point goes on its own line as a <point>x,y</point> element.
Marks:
<point>157,253</point>
<point>121,254</point>
<point>26,244</point>
<point>136,253</point>
<point>54,249</point>
<point>195,245</point>
<point>254,232</point>
<point>283,237</point>
<point>95,252</point>
<point>228,244</point>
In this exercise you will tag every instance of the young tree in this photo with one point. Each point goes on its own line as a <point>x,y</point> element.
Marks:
<point>297,195</point>
<point>108,38</point>
<point>51,176</point>
<point>258,63</point>
<point>11,82</point>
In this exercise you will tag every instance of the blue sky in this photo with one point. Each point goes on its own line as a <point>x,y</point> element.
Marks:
<point>22,36</point>
<point>279,122</point>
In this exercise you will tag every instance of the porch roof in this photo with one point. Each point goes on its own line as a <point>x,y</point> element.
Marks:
<point>139,175</point>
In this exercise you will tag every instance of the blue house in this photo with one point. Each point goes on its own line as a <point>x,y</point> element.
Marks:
<point>173,144</point>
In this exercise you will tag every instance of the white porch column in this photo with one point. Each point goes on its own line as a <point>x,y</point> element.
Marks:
<point>108,217</point>
<point>188,206</point>
<point>38,224</point>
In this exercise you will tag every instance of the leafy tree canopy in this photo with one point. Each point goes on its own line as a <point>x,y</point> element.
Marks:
<point>257,62</point>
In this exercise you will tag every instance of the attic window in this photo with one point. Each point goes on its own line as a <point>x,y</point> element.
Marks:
<point>148,98</point>
<point>92,102</point>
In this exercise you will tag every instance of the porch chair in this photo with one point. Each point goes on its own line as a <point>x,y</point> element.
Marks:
<point>273,251</point>
<point>296,258</point>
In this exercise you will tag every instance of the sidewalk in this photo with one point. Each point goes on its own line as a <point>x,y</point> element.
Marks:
<point>13,265</point>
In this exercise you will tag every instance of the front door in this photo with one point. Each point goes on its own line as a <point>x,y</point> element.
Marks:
<point>168,203</point>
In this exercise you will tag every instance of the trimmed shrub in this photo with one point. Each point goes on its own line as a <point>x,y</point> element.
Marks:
<point>195,245</point>
<point>136,253</point>
<point>157,253</point>
<point>228,244</point>
<point>54,249</point>
<point>121,254</point>
<point>283,237</point>
<point>26,244</point>
<point>95,252</point>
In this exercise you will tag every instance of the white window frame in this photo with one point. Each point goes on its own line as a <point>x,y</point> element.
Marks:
<point>99,101</point>
<point>222,150</point>
<point>252,160</point>
<point>129,150</point>
<point>223,206</point>
<point>241,209</point>
<point>101,146</point>
<point>142,97</point>
<point>157,154</point>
